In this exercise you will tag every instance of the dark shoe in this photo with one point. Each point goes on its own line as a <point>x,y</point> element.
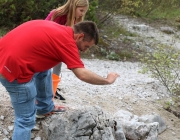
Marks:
<point>58,95</point>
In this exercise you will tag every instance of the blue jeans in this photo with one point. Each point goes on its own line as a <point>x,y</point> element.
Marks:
<point>28,97</point>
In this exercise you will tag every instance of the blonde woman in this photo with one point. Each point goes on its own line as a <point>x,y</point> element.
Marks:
<point>72,12</point>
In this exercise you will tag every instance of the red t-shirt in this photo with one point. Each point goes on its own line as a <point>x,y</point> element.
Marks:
<point>36,46</point>
<point>60,19</point>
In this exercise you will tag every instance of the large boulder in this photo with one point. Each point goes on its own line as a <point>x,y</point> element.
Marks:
<point>91,123</point>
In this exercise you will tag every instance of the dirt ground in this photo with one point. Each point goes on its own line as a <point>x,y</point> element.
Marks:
<point>142,108</point>
<point>139,108</point>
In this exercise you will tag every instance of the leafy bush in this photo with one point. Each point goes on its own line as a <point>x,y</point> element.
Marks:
<point>164,64</point>
<point>91,14</point>
<point>120,6</point>
<point>15,12</point>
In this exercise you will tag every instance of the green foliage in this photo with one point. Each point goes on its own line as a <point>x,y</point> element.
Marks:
<point>155,9</point>
<point>3,31</point>
<point>111,8</point>
<point>164,64</point>
<point>91,14</point>
<point>115,30</point>
<point>158,9</point>
<point>129,6</point>
<point>119,6</point>
<point>15,12</point>
<point>167,105</point>
<point>178,26</point>
<point>113,56</point>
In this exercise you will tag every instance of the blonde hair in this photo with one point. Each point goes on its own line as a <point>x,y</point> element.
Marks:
<point>69,9</point>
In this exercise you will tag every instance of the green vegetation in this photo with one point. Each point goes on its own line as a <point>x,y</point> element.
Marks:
<point>115,30</point>
<point>167,105</point>
<point>3,31</point>
<point>164,64</point>
<point>172,105</point>
<point>91,14</point>
<point>15,12</point>
<point>158,9</point>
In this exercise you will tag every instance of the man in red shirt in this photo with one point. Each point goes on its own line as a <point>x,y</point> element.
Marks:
<point>27,54</point>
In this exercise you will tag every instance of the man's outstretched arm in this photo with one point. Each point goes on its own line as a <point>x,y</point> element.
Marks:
<point>92,78</point>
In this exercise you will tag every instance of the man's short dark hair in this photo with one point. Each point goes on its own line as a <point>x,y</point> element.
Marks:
<point>89,29</point>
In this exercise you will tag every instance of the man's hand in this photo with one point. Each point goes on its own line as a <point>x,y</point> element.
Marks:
<point>111,77</point>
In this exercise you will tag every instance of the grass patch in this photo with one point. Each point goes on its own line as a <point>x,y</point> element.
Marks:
<point>115,31</point>
<point>172,105</point>
<point>167,14</point>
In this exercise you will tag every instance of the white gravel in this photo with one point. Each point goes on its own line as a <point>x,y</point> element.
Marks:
<point>130,82</point>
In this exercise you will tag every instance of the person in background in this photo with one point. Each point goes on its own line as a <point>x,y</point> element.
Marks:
<point>28,52</point>
<point>72,12</point>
